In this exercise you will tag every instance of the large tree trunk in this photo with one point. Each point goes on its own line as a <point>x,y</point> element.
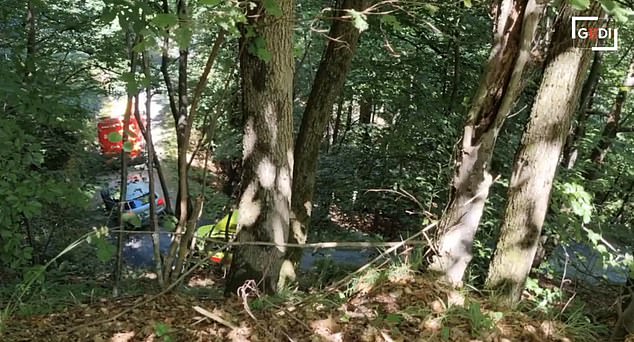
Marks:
<point>328,84</point>
<point>571,149</point>
<point>612,125</point>
<point>501,84</point>
<point>536,162</point>
<point>267,90</point>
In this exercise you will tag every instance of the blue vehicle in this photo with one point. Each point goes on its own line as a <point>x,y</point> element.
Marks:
<point>137,200</point>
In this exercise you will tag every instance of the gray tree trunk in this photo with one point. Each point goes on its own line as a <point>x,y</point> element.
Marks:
<point>265,204</point>
<point>536,162</point>
<point>501,84</point>
<point>328,85</point>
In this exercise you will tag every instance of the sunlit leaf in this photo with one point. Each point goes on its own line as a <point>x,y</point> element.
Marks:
<point>164,20</point>
<point>358,19</point>
<point>105,250</point>
<point>272,7</point>
<point>114,137</point>
<point>128,146</point>
<point>580,5</point>
<point>467,3</point>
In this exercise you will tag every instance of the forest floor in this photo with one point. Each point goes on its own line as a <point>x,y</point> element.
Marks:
<point>398,305</point>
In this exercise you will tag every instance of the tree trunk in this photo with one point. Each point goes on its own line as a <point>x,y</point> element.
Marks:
<point>147,133</point>
<point>455,82</point>
<point>365,110</point>
<point>328,84</point>
<point>571,149</point>
<point>612,125</point>
<point>183,204</point>
<point>31,42</point>
<point>335,129</point>
<point>267,90</point>
<point>501,84</point>
<point>348,122</point>
<point>536,162</point>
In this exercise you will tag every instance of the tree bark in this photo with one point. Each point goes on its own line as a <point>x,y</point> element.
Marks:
<point>164,68</point>
<point>147,133</point>
<point>348,122</point>
<point>536,161</point>
<point>328,84</point>
<point>335,129</point>
<point>501,84</point>
<point>571,149</point>
<point>365,110</point>
<point>267,90</point>
<point>182,141</point>
<point>612,125</point>
<point>31,41</point>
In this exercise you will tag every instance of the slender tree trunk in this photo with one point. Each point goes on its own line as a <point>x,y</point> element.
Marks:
<point>501,84</point>
<point>156,163</point>
<point>31,40</point>
<point>455,83</point>
<point>612,125</point>
<point>348,122</point>
<point>571,149</point>
<point>165,70</point>
<point>124,171</point>
<point>182,140</point>
<point>265,204</point>
<point>365,110</point>
<point>536,161</point>
<point>328,84</point>
<point>335,129</point>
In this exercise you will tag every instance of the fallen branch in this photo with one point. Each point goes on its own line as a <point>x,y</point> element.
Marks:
<point>215,317</point>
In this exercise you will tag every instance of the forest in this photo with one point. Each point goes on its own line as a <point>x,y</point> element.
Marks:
<point>341,170</point>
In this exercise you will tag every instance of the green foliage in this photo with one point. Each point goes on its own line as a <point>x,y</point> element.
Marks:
<point>272,7</point>
<point>258,48</point>
<point>480,322</point>
<point>163,332</point>
<point>543,298</point>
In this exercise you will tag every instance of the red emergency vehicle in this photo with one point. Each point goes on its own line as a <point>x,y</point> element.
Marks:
<point>112,150</point>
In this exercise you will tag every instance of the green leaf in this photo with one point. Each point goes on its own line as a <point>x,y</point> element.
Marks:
<point>391,20</point>
<point>183,37</point>
<point>467,3</point>
<point>108,15</point>
<point>258,48</point>
<point>114,137</point>
<point>431,8</point>
<point>272,7</point>
<point>580,5</point>
<point>165,20</point>
<point>358,19</point>
<point>169,223</point>
<point>209,2</point>
<point>105,250</point>
<point>132,218</point>
<point>128,146</point>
